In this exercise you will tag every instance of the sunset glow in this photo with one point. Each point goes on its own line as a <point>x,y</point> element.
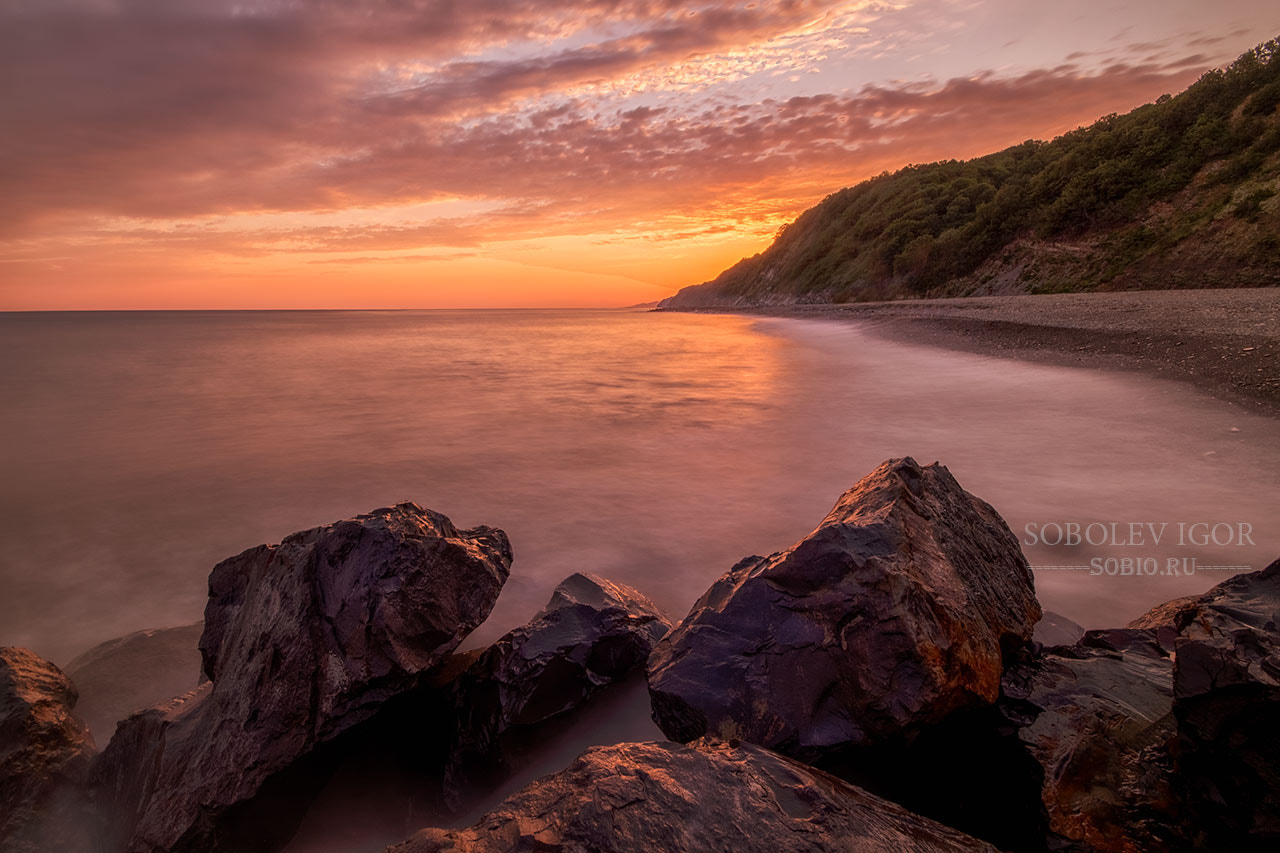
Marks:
<point>428,153</point>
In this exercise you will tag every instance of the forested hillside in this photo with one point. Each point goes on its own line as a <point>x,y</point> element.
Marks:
<point>1178,193</point>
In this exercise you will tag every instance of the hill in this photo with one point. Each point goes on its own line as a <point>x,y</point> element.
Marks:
<point>1181,193</point>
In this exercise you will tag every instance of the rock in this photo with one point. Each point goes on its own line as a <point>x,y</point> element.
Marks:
<point>893,614</point>
<point>134,672</point>
<point>1160,736</point>
<point>1226,698</point>
<point>44,751</point>
<point>592,633</point>
<point>1097,718</point>
<point>706,796</point>
<point>302,640</point>
<point>1054,629</point>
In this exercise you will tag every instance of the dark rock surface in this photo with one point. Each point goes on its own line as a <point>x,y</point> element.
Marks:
<point>1161,736</point>
<point>488,721</point>
<point>1054,629</point>
<point>706,796</point>
<point>44,750</point>
<point>133,672</point>
<point>302,641</point>
<point>1226,689</point>
<point>591,634</point>
<point>893,614</point>
<point>1097,718</point>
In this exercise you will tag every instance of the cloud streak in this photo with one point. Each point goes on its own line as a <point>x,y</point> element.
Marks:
<point>218,127</point>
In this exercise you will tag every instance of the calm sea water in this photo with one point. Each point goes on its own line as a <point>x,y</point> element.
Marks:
<point>656,449</point>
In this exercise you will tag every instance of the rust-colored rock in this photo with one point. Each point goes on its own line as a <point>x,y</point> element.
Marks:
<point>44,751</point>
<point>1097,717</point>
<point>688,799</point>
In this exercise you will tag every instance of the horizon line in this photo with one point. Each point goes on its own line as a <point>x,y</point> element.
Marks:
<point>282,310</point>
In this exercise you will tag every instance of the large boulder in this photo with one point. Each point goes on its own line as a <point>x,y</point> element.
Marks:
<point>134,672</point>
<point>1226,699</point>
<point>1097,718</point>
<point>44,753</point>
<point>706,796</point>
<point>302,641</point>
<point>592,633</point>
<point>895,613</point>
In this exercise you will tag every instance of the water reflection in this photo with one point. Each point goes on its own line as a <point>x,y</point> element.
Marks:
<point>654,448</point>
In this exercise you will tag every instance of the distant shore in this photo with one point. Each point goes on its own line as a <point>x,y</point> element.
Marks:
<point>1226,342</point>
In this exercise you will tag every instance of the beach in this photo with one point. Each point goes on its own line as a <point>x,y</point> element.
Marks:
<point>1225,342</point>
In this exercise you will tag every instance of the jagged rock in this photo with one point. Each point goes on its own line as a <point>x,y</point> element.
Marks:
<point>893,614</point>
<point>1097,718</point>
<point>1160,736</point>
<point>133,672</point>
<point>44,752</point>
<point>1054,629</point>
<point>706,796</point>
<point>874,649</point>
<point>1226,689</point>
<point>592,633</point>
<point>302,641</point>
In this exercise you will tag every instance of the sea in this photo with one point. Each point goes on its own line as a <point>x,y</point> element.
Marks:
<point>137,449</point>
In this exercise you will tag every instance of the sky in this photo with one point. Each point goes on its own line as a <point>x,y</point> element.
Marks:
<point>160,154</point>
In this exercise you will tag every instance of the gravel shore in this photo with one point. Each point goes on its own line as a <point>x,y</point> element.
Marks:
<point>1226,342</point>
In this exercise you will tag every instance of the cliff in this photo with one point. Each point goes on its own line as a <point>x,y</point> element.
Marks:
<point>1181,193</point>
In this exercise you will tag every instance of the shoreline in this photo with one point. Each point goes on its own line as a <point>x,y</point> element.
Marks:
<point>1224,342</point>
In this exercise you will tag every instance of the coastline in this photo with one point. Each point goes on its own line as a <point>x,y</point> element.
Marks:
<point>1224,342</point>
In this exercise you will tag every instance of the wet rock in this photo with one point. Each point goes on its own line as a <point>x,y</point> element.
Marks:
<point>1226,698</point>
<point>1054,629</point>
<point>44,752</point>
<point>1160,736</point>
<point>705,796</point>
<point>1097,718</point>
<point>591,634</point>
<point>134,672</point>
<point>302,640</point>
<point>893,614</point>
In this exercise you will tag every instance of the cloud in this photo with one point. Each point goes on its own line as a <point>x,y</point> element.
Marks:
<point>212,126</point>
<point>569,170</point>
<point>184,107</point>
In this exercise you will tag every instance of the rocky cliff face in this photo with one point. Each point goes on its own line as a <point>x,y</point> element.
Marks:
<point>1179,193</point>
<point>682,799</point>
<point>44,753</point>
<point>302,640</point>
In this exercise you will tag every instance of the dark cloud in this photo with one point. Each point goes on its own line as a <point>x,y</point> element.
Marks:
<point>186,107</point>
<point>172,109</point>
<point>581,173</point>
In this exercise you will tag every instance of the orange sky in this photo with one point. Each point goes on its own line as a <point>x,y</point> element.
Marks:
<point>429,153</point>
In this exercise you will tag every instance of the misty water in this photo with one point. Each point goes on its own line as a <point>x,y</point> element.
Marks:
<point>656,449</point>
